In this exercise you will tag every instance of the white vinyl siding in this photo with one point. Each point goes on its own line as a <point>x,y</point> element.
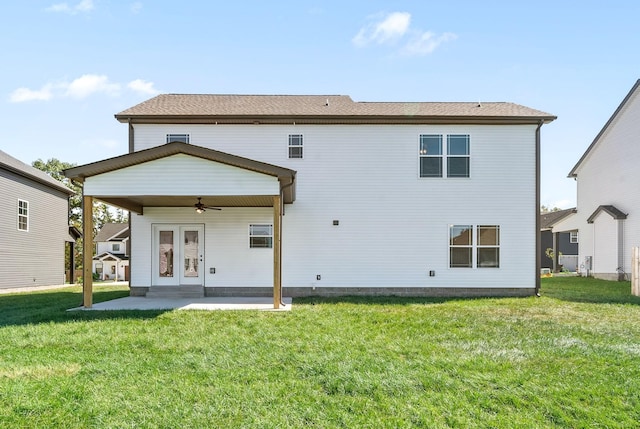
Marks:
<point>182,175</point>
<point>372,183</point>
<point>609,175</point>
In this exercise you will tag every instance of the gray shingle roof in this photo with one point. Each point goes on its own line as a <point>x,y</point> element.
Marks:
<point>549,219</point>
<point>320,107</point>
<point>10,163</point>
<point>118,231</point>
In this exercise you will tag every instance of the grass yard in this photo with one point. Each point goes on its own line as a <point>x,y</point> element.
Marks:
<point>568,359</point>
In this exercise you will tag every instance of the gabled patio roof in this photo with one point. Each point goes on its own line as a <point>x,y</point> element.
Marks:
<point>285,176</point>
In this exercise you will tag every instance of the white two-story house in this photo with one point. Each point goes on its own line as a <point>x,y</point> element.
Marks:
<point>607,177</point>
<point>111,261</point>
<point>321,195</point>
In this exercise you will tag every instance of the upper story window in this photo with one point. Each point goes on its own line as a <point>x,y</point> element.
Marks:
<point>261,235</point>
<point>295,145</point>
<point>23,215</point>
<point>432,155</point>
<point>458,155</point>
<point>573,237</point>
<point>184,138</point>
<point>115,247</point>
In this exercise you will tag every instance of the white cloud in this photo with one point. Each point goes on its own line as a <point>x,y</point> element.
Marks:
<point>142,86</point>
<point>389,29</point>
<point>25,94</point>
<point>88,84</point>
<point>82,6</point>
<point>136,7</point>
<point>80,88</point>
<point>394,28</point>
<point>427,42</point>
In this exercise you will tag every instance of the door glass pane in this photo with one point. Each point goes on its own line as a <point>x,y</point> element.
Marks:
<point>191,253</point>
<point>166,254</point>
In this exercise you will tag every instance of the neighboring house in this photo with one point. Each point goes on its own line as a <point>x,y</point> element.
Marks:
<point>608,201</point>
<point>564,245</point>
<point>34,226</point>
<point>112,257</point>
<point>321,195</point>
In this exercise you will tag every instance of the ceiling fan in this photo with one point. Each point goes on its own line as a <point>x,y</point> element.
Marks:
<point>201,208</point>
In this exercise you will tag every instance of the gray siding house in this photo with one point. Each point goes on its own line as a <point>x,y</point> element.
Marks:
<point>34,226</point>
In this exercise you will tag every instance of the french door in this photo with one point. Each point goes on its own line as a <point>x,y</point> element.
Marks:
<point>178,254</point>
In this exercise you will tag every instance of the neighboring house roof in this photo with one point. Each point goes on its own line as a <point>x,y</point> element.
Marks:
<point>214,108</point>
<point>108,256</point>
<point>549,219</point>
<point>7,162</point>
<point>611,210</point>
<point>574,170</point>
<point>112,232</point>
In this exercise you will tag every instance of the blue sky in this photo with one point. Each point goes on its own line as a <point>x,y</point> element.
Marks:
<point>70,66</point>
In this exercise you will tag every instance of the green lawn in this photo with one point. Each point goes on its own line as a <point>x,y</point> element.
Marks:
<point>568,359</point>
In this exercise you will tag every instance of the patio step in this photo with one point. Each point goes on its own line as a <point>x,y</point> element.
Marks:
<point>186,291</point>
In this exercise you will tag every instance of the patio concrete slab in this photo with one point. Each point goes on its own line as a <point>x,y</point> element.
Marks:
<point>207,303</point>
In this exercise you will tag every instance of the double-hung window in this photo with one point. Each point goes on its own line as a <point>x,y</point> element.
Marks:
<point>440,158</point>
<point>461,246</point>
<point>474,246</point>
<point>431,155</point>
<point>458,155</point>
<point>23,215</point>
<point>295,145</point>
<point>488,251</point>
<point>184,138</point>
<point>260,236</point>
<point>573,237</point>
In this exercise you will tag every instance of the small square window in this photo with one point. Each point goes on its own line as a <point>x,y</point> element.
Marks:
<point>573,237</point>
<point>184,138</point>
<point>115,247</point>
<point>260,236</point>
<point>295,145</point>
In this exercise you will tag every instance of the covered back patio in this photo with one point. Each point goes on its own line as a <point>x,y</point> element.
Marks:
<point>174,184</point>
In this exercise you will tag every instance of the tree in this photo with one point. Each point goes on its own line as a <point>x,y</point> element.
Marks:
<point>547,209</point>
<point>102,213</point>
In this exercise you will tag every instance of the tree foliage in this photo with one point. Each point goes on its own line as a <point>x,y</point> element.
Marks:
<point>102,213</point>
<point>547,209</point>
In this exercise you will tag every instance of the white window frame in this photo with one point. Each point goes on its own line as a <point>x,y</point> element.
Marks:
<point>475,245</point>
<point>480,245</point>
<point>23,215</point>
<point>469,246</point>
<point>113,247</point>
<point>185,138</point>
<point>423,154</point>
<point>466,155</point>
<point>255,233</point>
<point>296,141</point>
<point>573,237</point>
<point>445,155</point>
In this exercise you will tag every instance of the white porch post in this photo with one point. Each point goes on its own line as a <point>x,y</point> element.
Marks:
<point>277,253</point>
<point>87,251</point>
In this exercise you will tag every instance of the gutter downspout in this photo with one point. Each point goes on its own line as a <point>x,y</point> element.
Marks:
<point>537,207</point>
